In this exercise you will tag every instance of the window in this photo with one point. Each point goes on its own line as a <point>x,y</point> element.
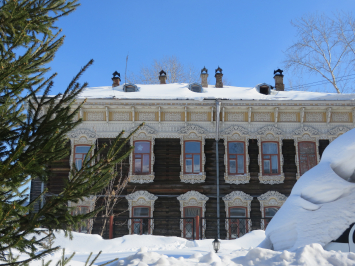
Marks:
<point>237,222</point>
<point>270,158</point>
<point>80,153</point>
<point>269,213</point>
<point>141,157</point>
<point>192,155</point>
<point>264,89</point>
<point>84,225</point>
<point>192,212</point>
<point>307,156</point>
<point>140,226</point>
<point>236,158</point>
<point>195,87</point>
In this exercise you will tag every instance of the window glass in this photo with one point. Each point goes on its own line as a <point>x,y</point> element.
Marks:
<point>267,167</point>
<point>240,164</point>
<point>270,148</point>
<point>270,211</point>
<point>196,163</point>
<point>78,164</point>
<point>82,149</point>
<point>188,165</point>
<point>192,212</point>
<point>141,147</point>
<point>192,147</point>
<point>236,148</point>
<point>232,167</point>
<point>145,168</point>
<point>137,165</point>
<point>237,212</point>
<point>140,212</point>
<point>274,164</point>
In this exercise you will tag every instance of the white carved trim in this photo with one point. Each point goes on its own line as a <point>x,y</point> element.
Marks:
<point>270,198</point>
<point>193,132</point>
<point>144,133</point>
<point>193,199</point>
<point>237,199</point>
<point>141,198</point>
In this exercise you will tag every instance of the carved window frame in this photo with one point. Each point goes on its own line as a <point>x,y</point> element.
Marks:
<point>305,134</point>
<point>263,160</point>
<point>150,154</point>
<point>271,179</point>
<point>270,199</point>
<point>193,199</point>
<point>142,135</point>
<point>141,198</point>
<point>237,199</point>
<point>236,134</point>
<point>192,135</point>
<point>192,158</point>
<point>85,202</point>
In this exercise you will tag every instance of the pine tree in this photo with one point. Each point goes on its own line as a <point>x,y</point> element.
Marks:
<point>33,129</point>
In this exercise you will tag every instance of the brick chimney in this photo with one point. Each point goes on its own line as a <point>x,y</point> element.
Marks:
<point>204,76</point>
<point>279,80</point>
<point>162,77</point>
<point>219,75</point>
<point>116,79</point>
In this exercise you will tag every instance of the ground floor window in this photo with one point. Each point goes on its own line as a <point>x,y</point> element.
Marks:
<point>269,213</point>
<point>84,225</point>
<point>190,227</point>
<point>238,224</point>
<point>140,223</point>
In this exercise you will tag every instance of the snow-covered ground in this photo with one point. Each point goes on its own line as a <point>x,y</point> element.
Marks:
<point>147,250</point>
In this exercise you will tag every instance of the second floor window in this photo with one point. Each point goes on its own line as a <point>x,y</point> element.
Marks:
<point>192,154</point>
<point>307,156</point>
<point>270,158</point>
<point>141,157</point>
<point>236,158</point>
<point>80,154</point>
<point>269,213</point>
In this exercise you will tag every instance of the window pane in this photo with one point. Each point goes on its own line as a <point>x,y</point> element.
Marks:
<point>78,155</point>
<point>271,211</point>
<point>138,155</point>
<point>236,147</point>
<point>192,147</point>
<point>232,166</point>
<point>140,212</point>
<point>78,164</point>
<point>307,147</point>
<point>137,165</point>
<point>142,147</point>
<point>274,164</point>
<point>267,167</point>
<point>82,149</point>
<point>240,164</point>
<point>188,155</point>
<point>196,163</point>
<point>270,148</point>
<point>237,212</point>
<point>145,163</point>
<point>232,156</point>
<point>192,212</point>
<point>188,166</point>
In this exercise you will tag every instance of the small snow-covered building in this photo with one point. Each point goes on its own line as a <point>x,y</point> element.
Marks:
<point>207,150</point>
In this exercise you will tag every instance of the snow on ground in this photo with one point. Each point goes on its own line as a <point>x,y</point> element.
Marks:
<point>321,205</point>
<point>181,91</point>
<point>134,250</point>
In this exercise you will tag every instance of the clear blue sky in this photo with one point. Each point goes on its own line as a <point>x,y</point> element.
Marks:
<point>245,38</point>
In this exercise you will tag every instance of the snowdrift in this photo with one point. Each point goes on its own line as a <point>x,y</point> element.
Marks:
<point>321,205</point>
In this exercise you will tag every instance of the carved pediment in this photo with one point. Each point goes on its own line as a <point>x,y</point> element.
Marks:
<point>306,129</point>
<point>269,129</point>
<point>189,128</point>
<point>78,132</point>
<point>192,194</point>
<point>146,129</point>
<point>272,194</point>
<point>235,129</point>
<point>139,194</point>
<point>337,130</point>
<point>237,194</point>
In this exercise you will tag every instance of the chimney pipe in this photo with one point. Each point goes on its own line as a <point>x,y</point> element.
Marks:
<point>204,76</point>
<point>219,75</point>
<point>279,80</point>
<point>116,79</point>
<point>162,77</point>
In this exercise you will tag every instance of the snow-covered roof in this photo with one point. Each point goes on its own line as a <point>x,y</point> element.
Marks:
<point>176,91</point>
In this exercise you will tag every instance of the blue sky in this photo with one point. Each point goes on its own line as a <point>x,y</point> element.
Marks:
<point>245,38</point>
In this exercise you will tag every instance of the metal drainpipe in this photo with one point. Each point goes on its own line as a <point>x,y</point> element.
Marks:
<point>217,162</point>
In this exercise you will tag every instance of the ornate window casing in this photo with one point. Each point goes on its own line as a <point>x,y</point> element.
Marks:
<point>148,136</point>
<point>86,205</point>
<point>302,136</point>
<point>141,198</point>
<point>192,199</point>
<point>336,132</point>
<point>268,200</point>
<point>236,134</point>
<point>237,199</point>
<point>192,134</point>
<point>274,135</point>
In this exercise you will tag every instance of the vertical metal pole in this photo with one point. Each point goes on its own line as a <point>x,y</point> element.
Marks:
<point>217,163</point>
